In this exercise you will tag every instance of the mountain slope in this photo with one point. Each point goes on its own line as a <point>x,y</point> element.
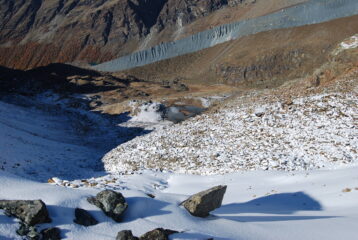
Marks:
<point>36,33</point>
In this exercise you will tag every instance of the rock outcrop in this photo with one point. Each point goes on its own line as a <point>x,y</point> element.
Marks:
<point>202,203</point>
<point>112,204</point>
<point>29,212</point>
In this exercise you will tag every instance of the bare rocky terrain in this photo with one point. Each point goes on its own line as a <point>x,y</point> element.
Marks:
<point>36,33</point>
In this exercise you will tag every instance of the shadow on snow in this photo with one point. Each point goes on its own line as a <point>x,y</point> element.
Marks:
<point>277,204</point>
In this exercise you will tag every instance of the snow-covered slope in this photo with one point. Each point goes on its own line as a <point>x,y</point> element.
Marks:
<point>46,137</point>
<point>308,133</point>
<point>257,206</point>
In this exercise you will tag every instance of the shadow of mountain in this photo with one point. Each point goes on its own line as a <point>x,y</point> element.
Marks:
<point>56,77</point>
<point>282,203</point>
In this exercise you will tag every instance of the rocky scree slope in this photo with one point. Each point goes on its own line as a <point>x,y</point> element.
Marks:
<point>39,32</point>
<point>305,124</point>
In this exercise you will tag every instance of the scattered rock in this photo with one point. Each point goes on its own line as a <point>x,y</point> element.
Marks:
<point>202,203</point>
<point>126,235</point>
<point>150,195</point>
<point>51,181</point>
<point>84,218</point>
<point>347,190</point>
<point>112,203</point>
<point>260,112</point>
<point>30,212</point>
<point>51,234</point>
<point>157,234</point>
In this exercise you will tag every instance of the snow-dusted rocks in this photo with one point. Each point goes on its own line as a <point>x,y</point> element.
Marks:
<point>313,132</point>
<point>29,212</point>
<point>202,203</point>
<point>112,203</point>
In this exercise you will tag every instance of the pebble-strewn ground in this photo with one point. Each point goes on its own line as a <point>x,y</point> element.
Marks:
<point>305,133</point>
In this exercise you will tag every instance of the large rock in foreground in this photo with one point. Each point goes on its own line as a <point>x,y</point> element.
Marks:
<point>112,204</point>
<point>202,203</point>
<point>30,212</point>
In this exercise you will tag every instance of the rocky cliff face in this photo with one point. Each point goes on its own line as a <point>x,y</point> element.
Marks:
<point>39,32</point>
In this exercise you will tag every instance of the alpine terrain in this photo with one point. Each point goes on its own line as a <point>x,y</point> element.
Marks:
<point>178,119</point>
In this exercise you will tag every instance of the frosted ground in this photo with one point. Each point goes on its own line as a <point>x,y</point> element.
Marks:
<point>304,204</point>
<point>308,133</point>
<point>290,166</point>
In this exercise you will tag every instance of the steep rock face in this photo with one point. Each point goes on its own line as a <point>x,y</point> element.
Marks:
<point>39,32</point>
<point>183,12</point>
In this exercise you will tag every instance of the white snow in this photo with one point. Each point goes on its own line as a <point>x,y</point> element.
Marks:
<point>257,205</point>
<point>48,140</point>
<point>350,43</point>
<point>150,112</point>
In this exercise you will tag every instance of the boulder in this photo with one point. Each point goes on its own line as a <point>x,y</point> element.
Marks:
<point>112,203</point>
<point>84,218</point>
<point>157,234</point>
<point>126,235</point>
<point>51,234</point>
<point>202,203</point>
<point>30,212</point>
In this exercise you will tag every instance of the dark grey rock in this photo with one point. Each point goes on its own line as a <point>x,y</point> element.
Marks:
<point>23,229</point>
<point>82,217</point>
<point>51,234</point>
<point>157,234</point>
<point>33,234</point>
<point>126,235</point>
<point>112,203</point>
<point>202,203</point>
<point>30,212</point>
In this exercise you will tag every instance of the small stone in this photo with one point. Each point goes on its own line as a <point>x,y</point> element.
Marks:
<point>126,235</point>
<point>112,203</point>
<point>84,218</point>
<point>51,234</point>
<point>157,234</point>
<point>202,203</point>
<point>51,181</point>
<point>346,190</point>
<point>33,234</point>
<point>30,212</point>
<point>150,195</point>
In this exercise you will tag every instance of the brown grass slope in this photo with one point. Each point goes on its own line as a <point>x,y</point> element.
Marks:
<point>262,60</point>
